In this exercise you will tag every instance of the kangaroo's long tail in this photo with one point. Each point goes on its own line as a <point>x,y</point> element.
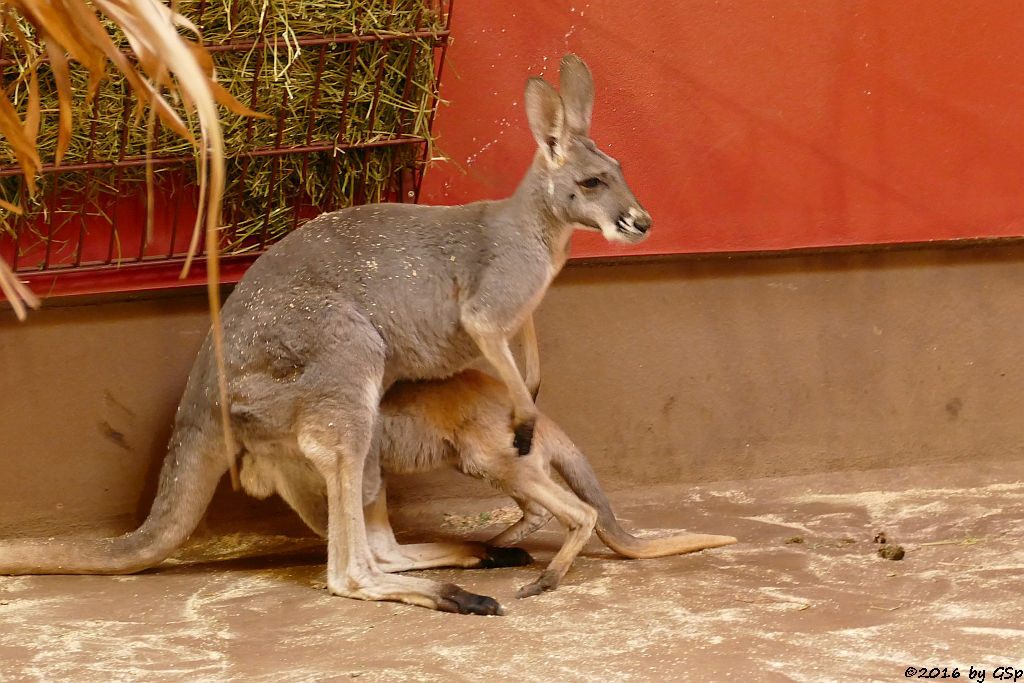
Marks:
<point>580,476</point>
<point>187,481</point>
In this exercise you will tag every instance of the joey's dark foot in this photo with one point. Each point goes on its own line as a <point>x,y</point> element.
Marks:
<point>454,599</point>
<point>545,582</point>
<point>523,440</point>
<point>505,557</point>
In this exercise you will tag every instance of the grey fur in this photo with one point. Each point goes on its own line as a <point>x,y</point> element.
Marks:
<point>458,422</point>
<point>330,317</point>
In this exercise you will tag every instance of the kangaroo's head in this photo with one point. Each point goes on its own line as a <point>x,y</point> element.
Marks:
<point>582,184</point>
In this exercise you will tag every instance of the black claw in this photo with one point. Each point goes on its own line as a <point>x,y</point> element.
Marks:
<point>529,590</point>
<point>545,582</point>
<point>454,599</point>
<point>505,557</point>
<point>523,440</point>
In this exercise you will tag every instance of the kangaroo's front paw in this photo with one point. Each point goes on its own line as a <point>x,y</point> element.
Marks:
<point>523,440</point>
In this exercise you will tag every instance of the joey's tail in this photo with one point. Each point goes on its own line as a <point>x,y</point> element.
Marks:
<point>580,477</point>
<point>187,482</point>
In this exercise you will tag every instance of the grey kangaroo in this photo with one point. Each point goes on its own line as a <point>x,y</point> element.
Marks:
<point>461,422</point>
<point>335,313</point>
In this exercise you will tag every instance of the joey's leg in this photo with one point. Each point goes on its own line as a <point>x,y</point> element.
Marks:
<point>393,557</point>
<point>578,518</point>
<point>534,517</point>
<point>494,346</point>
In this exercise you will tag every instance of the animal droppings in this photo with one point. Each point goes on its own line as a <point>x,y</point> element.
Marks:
<point>891,552</point>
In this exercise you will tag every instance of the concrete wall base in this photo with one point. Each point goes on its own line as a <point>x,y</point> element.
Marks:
<point>681,369</point>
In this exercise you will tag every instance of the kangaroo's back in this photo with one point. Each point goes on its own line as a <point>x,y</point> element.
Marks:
<point>402,268</point>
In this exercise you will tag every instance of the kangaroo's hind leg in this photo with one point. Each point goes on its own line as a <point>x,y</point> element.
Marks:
<point>341,392</point>
<point>394,557</point>
<point>351,568</point>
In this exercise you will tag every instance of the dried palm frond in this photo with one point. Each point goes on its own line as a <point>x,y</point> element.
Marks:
<point>166,61</point>
<point>18,294</point>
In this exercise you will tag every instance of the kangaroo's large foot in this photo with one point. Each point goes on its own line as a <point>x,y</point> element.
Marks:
<point>445,597</point>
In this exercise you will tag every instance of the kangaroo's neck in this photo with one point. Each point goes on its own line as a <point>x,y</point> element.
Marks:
<point>533,207</point>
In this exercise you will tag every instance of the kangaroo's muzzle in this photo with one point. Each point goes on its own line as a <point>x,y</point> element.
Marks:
<point>634,224</point>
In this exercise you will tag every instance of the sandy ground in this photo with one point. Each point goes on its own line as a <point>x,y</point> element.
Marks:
<point>252,606</point>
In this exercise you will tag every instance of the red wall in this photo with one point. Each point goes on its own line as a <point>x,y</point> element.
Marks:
<point>759,124</point>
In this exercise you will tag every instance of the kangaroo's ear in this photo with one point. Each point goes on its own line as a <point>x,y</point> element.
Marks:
<point>577,86</point>
<point>546,115</point>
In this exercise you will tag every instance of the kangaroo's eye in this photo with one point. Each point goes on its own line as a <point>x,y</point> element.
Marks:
<point>590,183</point>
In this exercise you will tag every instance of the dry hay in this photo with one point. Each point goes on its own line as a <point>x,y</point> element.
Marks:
<point>261,191</point>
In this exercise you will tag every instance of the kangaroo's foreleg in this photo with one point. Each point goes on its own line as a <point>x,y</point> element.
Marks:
<point>493,343</point>
<point>492,316</point>
<point>531,356</point>
<point>394,557</point>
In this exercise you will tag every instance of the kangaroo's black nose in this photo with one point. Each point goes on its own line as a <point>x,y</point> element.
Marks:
<point>643,224</point>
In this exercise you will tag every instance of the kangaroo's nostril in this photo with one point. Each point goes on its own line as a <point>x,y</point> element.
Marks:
<point>633,223</point>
